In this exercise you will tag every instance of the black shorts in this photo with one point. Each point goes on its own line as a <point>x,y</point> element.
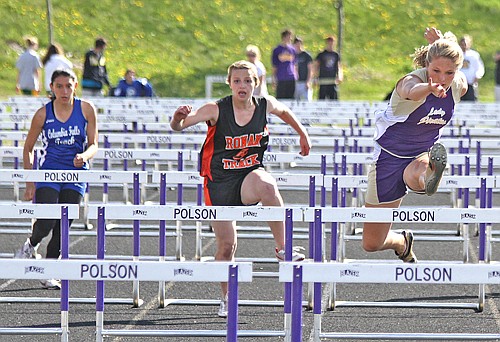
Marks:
<point>225,193</point>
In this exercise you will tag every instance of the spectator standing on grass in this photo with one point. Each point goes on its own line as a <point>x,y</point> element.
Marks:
<point>303,88</point>
<point>95,75</point>
<point>253,56</point>
<point>407,153</point>
<point>232,156</point>
<point>283,61</point>
<point>497,76</point>
<point>29,69</point>
<point>130,86</point>
<point>54,59</point>
<point>473,68</point>
<point>328,70</point>
<point>68,129</point>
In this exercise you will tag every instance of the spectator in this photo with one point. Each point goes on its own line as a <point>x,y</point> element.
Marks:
<point>497,76</point>
<point>68,127</point>
<point>303,88</point>
<point>232,156</point>
<point>132,87</point>
<point>283,61</point>
<point>54,59</point>
<point>253,56</point>
<point>29,69</point>
<point>95,74</point>
<point>328,71</point>
<point>473,68</point>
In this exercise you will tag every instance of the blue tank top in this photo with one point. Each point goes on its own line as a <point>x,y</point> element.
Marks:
<point>61,141</point>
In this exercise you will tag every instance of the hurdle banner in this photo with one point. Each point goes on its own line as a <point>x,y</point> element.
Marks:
<point>422,273</point>
<point>70,176</point>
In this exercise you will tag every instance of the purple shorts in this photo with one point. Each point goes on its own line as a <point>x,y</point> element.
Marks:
<point>385,179</point>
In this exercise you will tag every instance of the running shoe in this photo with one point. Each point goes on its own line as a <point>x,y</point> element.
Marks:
<point>296,256</point>
<point>27,251</point>
<point>223,308</point>
<point>407,255</point>
<point>437,164</point>
<point>51,284</point>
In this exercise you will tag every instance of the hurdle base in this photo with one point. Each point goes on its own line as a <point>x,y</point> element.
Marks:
<point>421,305</point>
<point>30,331</point>
<point>411,336</point>
<point>189,333</point>
<point>215,302</point>
<point>127,301</point>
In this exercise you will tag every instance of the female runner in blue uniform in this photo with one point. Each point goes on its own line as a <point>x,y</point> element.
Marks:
<point>407,154</point>
<point>68,128</point>
<point>232,156</point>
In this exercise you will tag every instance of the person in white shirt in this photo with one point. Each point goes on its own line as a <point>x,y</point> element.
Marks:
<point>29,69</point>
<point>53,60</point>
<point>473,68</point>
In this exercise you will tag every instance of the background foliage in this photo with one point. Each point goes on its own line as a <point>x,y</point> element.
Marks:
<point>175,43</point>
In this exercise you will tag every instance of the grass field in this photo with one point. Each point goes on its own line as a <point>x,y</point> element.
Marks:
<point>176,43</point>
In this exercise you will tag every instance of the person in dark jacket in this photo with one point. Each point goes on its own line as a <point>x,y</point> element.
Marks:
<point>95,74</point>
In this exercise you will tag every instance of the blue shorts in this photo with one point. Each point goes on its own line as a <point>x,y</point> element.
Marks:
<point>78,187</point>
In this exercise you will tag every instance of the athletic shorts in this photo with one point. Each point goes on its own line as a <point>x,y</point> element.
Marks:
<point>226,193</point>
<point>385,179</point>
<point>78,187</point>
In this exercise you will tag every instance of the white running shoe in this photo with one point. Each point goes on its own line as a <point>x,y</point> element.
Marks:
<point>223,308</point>
<point>296,256</point>
<point>27,251</point>
<point>51,284</point>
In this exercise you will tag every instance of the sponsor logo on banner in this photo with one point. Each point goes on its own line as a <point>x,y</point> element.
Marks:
<point>17,176</point>
<point>34,269</point>
<point>250,213</point>
<point>468,216</point>
<point>26,211</point>
<point>493,274</point>
<point>104,176</point>
<point>183,272</point>
<point>139,212</point>
<point>358,215</point>
<point>349,273</point>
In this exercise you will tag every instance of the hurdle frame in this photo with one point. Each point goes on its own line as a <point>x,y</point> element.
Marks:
<point>440,215</point>
<point>222,213</point>
<point>379,272</point>
<point>64,212</point>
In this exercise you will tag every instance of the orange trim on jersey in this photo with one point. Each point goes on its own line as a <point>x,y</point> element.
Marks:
<point>208,153</point>
<point>206,193</point>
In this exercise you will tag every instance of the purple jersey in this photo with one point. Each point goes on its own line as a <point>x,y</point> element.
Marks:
<point>284,61</point>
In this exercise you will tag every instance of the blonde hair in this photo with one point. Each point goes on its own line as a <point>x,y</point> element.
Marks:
<point>243,65</point>
<point>444,47</point>
<point>254,49</point>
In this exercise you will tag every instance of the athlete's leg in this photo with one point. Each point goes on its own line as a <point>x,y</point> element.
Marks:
<point>379,236</point>
<point>43,227</point>
<point>54,246</point>
<point>414,173</point>
<point>226,239</point>
<point>260,186</point>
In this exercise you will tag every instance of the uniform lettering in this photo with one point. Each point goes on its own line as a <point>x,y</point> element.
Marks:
<point>243,141</point>
<point>230,164</point>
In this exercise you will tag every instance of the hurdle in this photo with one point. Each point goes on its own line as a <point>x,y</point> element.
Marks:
<point>334,183</point>
<point>65,176</point>
<point>387,273</point>
<point>28,268</point>
<point>215,213</point>
<point>87,176</point>
<point>421,215</point>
